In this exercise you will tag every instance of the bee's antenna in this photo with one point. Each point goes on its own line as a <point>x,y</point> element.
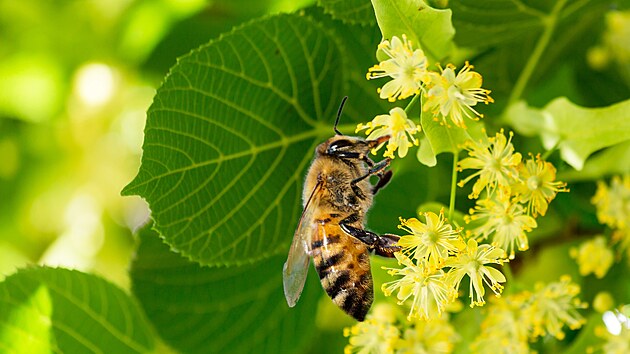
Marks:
<point>343,101</point>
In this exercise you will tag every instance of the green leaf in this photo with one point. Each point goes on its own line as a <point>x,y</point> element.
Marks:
<point>64,311</point>
<point>613,160</point>
<point>350,11</point>
<point>229,135</point>
<point>429,27</point>
<point>577,131</point>
<point>220,310</point>
<point>492,22</point>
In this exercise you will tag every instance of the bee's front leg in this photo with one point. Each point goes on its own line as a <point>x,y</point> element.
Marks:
<point>379,170</point>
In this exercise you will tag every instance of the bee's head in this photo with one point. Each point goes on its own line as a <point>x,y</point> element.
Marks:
<point>348,147</point>
<point>352,147</point>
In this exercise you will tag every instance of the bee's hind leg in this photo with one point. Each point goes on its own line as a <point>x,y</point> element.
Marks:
<point>383,245</point>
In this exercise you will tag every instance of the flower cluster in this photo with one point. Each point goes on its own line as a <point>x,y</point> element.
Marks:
<point>384,331</point>
<point>613,209</point>
<point>593,256</point>
<point>448,94</point>
<point>435,260</point>
<point>514,320</point>
<point>514,192</point>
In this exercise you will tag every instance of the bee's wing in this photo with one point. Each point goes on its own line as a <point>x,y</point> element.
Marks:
<point>296,267</point>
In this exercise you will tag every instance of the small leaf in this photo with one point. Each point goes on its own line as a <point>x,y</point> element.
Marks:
<point>220,310</point>
<point>442,138</point>
<point>613,160</point>
<point>64,311</point>
<point>229,135</point>
<point>350,11</point>
<point>430,28</point>
<point>578,131</point>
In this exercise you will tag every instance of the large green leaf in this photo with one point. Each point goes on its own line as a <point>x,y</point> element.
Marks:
<point>495,21</point>
<point>577,131</point>
<point>220,310</point>
<point>64,311</point>
<point>230,133</point>
<point>351,11</point>
<point>430,28</point>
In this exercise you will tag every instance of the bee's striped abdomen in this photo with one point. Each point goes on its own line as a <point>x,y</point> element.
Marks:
<point>343,265</point>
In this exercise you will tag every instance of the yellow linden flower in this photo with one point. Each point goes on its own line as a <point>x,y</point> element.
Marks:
<point>428,337</point>
<point>429,291</point>
<point>377,334</point>
<point>594,256</point>
<point>453,95</point>
<point>505,220</point>
<point>399,128</point>
<point>406,66</point>
<point>495,160</point>
<point>433,241</point>
<point>553,306</point>
<point>613,203</point>
<point>537,185</point>
<point>472,262</point>
<point>502,330</point>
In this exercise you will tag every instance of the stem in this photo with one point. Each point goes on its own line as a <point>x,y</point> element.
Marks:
<point>548,153</point>
<point>413,100</point>
<point>532,62</point>
<point>451,204</point>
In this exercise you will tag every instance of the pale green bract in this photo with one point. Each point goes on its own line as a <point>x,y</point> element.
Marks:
<point>576,131</point>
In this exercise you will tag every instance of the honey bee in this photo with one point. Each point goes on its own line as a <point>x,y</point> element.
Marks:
<point>337,194</point>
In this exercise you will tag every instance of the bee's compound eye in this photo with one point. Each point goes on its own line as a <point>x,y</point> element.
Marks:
<point>337,145</point>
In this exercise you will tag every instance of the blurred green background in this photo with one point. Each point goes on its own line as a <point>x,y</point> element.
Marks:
<point>76,78</point>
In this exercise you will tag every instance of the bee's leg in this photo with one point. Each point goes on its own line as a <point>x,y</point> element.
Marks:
<point>383,179</point>
<point>378,169</point>
<point>387,245</point>
<point>384,245</point>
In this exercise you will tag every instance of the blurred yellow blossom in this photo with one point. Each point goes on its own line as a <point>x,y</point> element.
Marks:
<point>428,337</point>
<point>603,302</point>
<point>537,185</point>
<point>495,160</point>
<point>593,256</point>
<point>613,202</point>
<point>472,261</point>
<point>428,290</point>
<point>406,66</point>
<point>377,334</point>
<point>432,241</point>
<point>400,129</point>
<point>453,95</point>
<point>503,331</point>
<point>552,306</point>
